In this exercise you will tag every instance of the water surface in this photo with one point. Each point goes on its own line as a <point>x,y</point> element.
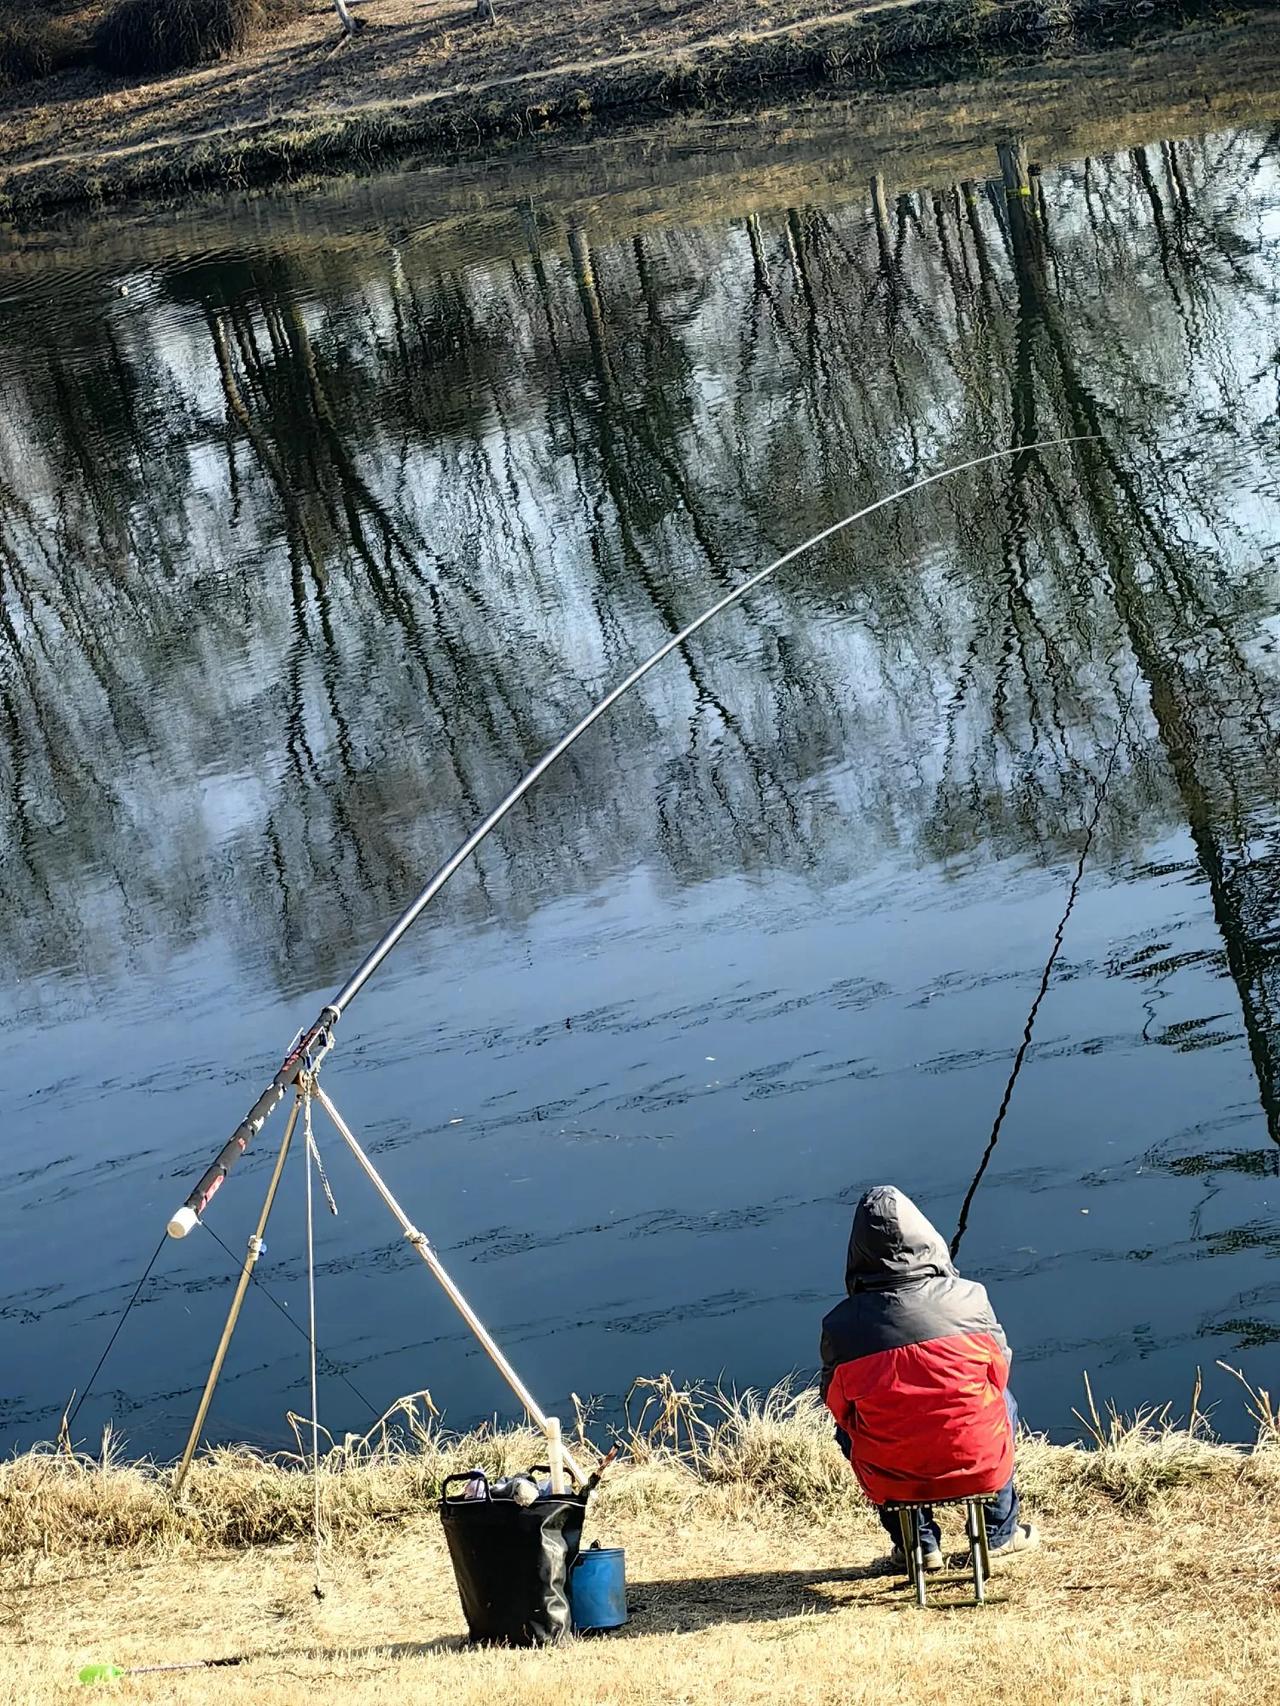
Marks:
<point>310,547</point>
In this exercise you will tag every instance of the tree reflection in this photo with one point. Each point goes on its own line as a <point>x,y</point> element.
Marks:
<point>303,562</point>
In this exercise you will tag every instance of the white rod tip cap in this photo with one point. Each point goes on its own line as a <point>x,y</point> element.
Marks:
<point>182,1222</point>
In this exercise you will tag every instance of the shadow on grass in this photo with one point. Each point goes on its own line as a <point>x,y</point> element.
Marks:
<point>692,1603</point>
<point>698,1602</point>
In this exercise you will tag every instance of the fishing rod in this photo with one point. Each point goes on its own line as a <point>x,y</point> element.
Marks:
<point>312,1044</point>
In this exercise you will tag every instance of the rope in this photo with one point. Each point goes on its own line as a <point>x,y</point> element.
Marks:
<point>311,1155</point>
<point>74,1411</point>
<point>327,1362</point>
<point>1090,831</point>
<point>314,1148</point>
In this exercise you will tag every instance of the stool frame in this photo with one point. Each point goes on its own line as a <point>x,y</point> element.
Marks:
<point>975,1527</point>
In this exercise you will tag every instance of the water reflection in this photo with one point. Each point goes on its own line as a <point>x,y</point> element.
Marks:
<point>305,557</point>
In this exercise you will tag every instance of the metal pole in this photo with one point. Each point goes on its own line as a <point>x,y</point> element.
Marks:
<point>252,1253</point>
<point>320,1033</point>
<point>423,1247</point>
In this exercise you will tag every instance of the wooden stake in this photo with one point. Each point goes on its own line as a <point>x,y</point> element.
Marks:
<point>555,1455</point>
<point>1014,167</point>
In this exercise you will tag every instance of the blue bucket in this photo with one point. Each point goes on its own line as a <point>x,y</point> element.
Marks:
<point>598,1589</point>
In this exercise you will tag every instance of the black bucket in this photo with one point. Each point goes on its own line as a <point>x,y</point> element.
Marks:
<point>512,1562</point>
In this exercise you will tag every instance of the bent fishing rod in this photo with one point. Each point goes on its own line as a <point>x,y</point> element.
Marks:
<point>315,1042</point>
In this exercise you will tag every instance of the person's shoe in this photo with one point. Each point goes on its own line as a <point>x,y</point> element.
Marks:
<point>933,1559</point>
<point>1025,1538</point>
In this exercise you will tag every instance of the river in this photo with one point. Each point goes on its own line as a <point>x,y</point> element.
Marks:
<point>315,535</point>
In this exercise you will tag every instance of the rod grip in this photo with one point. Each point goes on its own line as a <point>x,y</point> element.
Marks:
<point>182,1222</point>
<point>211,1182</point>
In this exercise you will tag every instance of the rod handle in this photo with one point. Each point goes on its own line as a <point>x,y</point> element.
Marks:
<point>183,1222</point>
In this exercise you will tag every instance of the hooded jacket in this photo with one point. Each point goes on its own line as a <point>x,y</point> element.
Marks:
<point>914,1362</point>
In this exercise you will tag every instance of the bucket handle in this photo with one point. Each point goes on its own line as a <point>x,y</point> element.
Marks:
<point>464,1475</point>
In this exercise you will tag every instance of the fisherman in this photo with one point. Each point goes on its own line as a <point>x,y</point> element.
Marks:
<point>915,1370</point>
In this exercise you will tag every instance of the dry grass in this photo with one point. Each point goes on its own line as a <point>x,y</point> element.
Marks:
<point>36,41</point>
<point>751,1561</point>
<point>740,1455</point>
<point>138,37</point>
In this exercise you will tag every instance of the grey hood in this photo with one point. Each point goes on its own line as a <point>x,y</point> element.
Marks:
<point>892,1242</point>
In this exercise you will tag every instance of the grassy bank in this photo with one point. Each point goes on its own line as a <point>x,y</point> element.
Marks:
<point>752,1568</point>
<point>429,74</point>
<point>798,149</point>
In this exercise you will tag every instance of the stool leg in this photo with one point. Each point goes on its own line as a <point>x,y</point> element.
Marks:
<point>909,1523</point>
<point>917,1556</point>
<point>975,1522</point>
<point>982,1539</point>
<point>904,1528</point>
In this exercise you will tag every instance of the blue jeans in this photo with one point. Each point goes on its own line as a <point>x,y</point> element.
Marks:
<point>1002,1511</point>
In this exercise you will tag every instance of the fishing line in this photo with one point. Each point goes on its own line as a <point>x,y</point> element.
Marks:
<point>1032,1013</point>
<point>327,1363</point>
<point>70,1417</point>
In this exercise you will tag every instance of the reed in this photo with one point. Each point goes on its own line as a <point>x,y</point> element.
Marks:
<point>737,1455</point>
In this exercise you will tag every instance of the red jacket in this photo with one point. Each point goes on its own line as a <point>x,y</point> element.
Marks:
<point>915,1363</point>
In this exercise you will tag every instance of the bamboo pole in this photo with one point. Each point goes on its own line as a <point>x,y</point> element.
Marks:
<point>252,1253</point>
<point>422,1246</point>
